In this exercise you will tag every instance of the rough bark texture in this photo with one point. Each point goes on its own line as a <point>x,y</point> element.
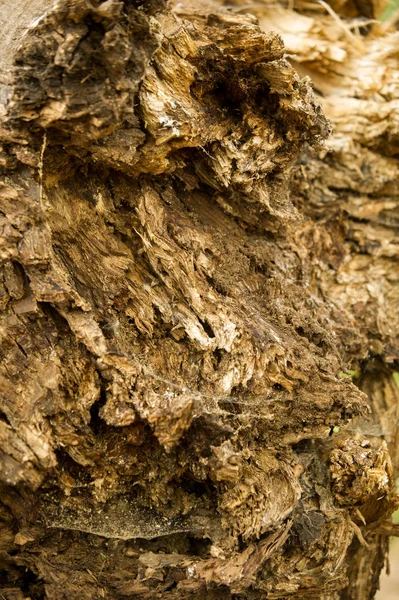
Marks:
<point>189,269</point>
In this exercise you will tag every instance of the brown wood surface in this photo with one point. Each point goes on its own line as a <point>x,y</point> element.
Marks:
<point>199,294</point>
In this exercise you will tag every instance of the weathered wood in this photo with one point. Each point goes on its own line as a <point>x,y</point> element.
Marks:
<point>15,22</point>
<point>188,271</point>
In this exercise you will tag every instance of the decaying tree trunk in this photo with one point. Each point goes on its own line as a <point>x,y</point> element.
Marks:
<point>199,294</point>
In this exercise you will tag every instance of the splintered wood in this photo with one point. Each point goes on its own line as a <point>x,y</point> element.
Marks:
<point>199,294</point>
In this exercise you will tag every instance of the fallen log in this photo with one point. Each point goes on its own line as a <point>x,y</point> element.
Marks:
<point>199,291</point>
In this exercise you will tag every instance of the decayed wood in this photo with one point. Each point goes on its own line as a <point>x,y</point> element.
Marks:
<point>15,22</point>
<point>196,247</point>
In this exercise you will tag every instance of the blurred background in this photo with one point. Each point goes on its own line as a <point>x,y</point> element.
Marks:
<point>393,6</point>
<point>389,584</point>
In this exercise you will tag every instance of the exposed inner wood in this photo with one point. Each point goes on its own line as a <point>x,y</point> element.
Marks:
<point>199,295</point>
<point>15,20</point>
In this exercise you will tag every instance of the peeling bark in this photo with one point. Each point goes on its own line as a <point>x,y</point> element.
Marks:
<point>199,294</point>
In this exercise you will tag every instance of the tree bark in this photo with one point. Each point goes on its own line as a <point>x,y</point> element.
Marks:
<point>199,293</point>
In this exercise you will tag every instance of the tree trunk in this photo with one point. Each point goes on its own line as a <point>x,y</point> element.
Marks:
<point>199,293</point>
